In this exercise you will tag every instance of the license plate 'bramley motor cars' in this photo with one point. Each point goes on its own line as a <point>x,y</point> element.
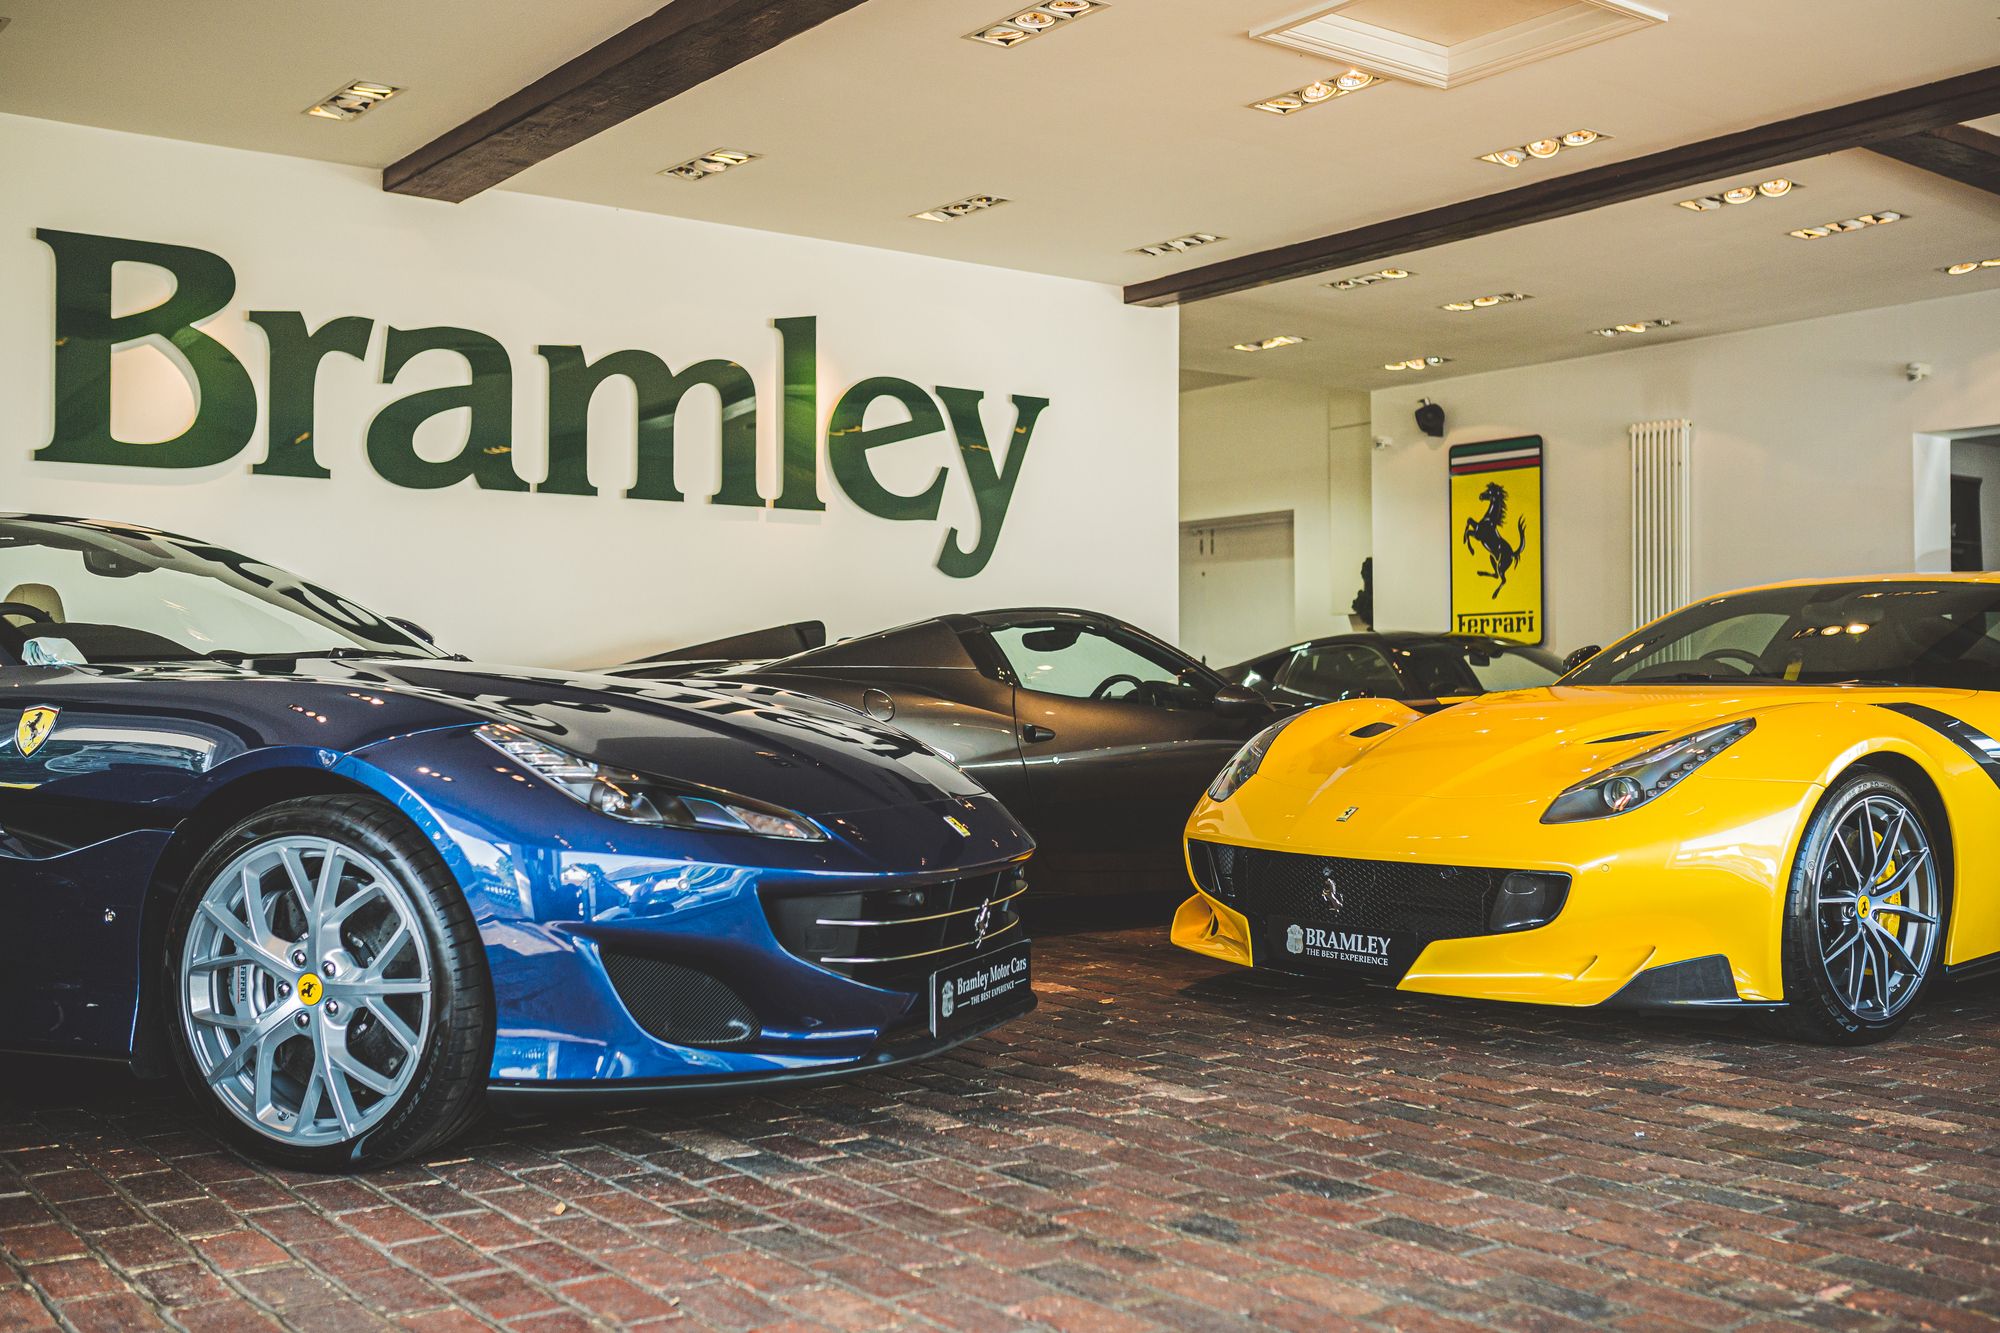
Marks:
<point>353,887</point>
<point>1784,801</point>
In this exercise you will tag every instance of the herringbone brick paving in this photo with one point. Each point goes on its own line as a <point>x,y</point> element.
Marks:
<point>1158,1146</point>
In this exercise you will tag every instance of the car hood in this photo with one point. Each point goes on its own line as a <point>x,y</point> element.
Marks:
<point>1519,746</point>
<point>807,754</point>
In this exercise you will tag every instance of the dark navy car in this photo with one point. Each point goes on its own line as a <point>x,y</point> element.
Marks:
<point>353,887</point>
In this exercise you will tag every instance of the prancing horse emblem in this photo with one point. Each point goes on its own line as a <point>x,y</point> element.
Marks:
<point>982,923</point>
<point>1330,894</point>
<point>37,725</point>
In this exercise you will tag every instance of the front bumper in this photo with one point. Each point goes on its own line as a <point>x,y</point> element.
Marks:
<point>1655,897</point>
<point>627,960</point>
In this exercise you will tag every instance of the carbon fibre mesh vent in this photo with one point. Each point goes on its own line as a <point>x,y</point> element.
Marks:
<point>680,1005</point>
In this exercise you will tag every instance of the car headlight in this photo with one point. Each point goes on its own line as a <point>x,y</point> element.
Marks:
<point>638,799</point>
<point>1644,777</point>
<point>1244,765</point>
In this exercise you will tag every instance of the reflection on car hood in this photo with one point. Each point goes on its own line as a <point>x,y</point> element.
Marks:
<point>808,754</point>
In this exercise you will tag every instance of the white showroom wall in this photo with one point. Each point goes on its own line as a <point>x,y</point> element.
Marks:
<point>1269,446</point>
<point>571,579</point>
<point>1805,448</point>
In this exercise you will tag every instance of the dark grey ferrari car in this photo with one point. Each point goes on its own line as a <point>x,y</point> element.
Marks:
<point>1097,735</point>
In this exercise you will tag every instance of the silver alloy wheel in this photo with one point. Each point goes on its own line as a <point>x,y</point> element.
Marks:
<point>307,979</point>
<point>1878,902</point>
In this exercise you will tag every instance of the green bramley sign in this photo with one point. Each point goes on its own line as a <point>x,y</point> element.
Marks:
<point>87,332</point>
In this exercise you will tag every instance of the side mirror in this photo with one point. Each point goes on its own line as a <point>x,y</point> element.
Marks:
<point>413,628</point>
<point>1579,657</point>
<point>1236,701</point>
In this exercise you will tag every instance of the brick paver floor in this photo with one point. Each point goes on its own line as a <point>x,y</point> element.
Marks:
<point>1160,1145</point>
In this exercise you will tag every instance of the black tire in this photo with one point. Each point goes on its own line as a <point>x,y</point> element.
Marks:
<point>445,1094</point>
<point>1816,1008</point>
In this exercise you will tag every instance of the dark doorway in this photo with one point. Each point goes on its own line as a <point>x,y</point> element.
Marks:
<point>1968,550</point>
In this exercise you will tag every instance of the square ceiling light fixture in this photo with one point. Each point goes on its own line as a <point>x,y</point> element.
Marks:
<point>1541,150</point>
<point>1621,330</point>
<point>961,208</point>
<point>1033,21</point>
<point>1361,280</point>
<point>353,101</point>
<point>1776,188</point>
<point>1316,92</point>
<point>1180,244</point>
<point>1417,363</point>
<point>1269,344</point>
<point>712,163</point>
<point>1861,223</point>
<point>1445,43</point>
<point>1486,302</point>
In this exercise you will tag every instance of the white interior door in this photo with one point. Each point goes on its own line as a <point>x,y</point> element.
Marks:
<point>1237,587</point>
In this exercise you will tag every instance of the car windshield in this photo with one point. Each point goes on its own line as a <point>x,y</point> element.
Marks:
<point>1913,633</point>
<point>81,594</point>
<point>1459,666</point>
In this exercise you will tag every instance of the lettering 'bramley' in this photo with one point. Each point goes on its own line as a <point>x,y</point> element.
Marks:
<point>87,332</point>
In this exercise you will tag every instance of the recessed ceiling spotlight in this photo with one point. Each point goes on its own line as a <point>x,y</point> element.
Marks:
<point>1319,90</point>
<point>1741,194</point>
<point>1370,279</point>
<point>1179,244</point>
<point>1541,149</point>
<point>1416,363</point>
<point>1860,223</point>
<point>962,208</point>
<point>1033,22</point>
<point>1970,266</point>
<point>1487,302</point>
<point>712,163</point>
<point>351,102</point>
<point>1267,344</point>
<point>1643,326</point>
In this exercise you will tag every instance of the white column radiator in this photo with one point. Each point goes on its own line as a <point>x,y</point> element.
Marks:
<point>1662,518</point>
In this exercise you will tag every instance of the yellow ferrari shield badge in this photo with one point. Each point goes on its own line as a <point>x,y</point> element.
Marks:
<point>1496,557</point>
<point>37,725</point>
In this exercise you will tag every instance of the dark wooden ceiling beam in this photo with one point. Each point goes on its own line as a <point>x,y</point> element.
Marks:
<point>1956,152</point>
<point>1875,120</point>
<point>684,44</point>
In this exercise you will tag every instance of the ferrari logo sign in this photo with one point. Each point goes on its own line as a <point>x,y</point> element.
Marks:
<point>37,724</point>
<point>1496,522</point>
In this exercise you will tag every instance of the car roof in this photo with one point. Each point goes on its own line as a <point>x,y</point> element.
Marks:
<point>1863,580</point>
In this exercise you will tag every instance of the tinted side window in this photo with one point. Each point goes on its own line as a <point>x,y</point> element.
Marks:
<point>1079,662</point>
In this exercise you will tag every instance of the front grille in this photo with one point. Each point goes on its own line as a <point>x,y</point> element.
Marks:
<point>678,1004</point>
<point>896,936</point>
<point>1411,905</point>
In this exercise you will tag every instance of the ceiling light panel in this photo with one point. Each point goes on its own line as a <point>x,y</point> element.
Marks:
<point>1270,344</point>
<point>351,102</point>
<point>1360,280</point>
<point>712,163</point>
<point>1970,266</point>
<point>1318,91</point>
<point>1180,244</point>
<point>1417,363</point>
<point>1776,188</point>
<point>1861,223</point>
<point>1026,24</point>
<point>962,208</point>
<point>1486,302</point>
<point>1540,150</point>
<point>1623,330</point>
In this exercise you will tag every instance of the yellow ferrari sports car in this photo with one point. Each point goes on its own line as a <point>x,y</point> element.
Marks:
<point>1784,800</point>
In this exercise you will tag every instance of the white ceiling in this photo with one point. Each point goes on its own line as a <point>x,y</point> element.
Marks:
<point>1120,129</point>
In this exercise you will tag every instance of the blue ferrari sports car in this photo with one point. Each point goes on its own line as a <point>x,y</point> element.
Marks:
<point>354,888</point>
